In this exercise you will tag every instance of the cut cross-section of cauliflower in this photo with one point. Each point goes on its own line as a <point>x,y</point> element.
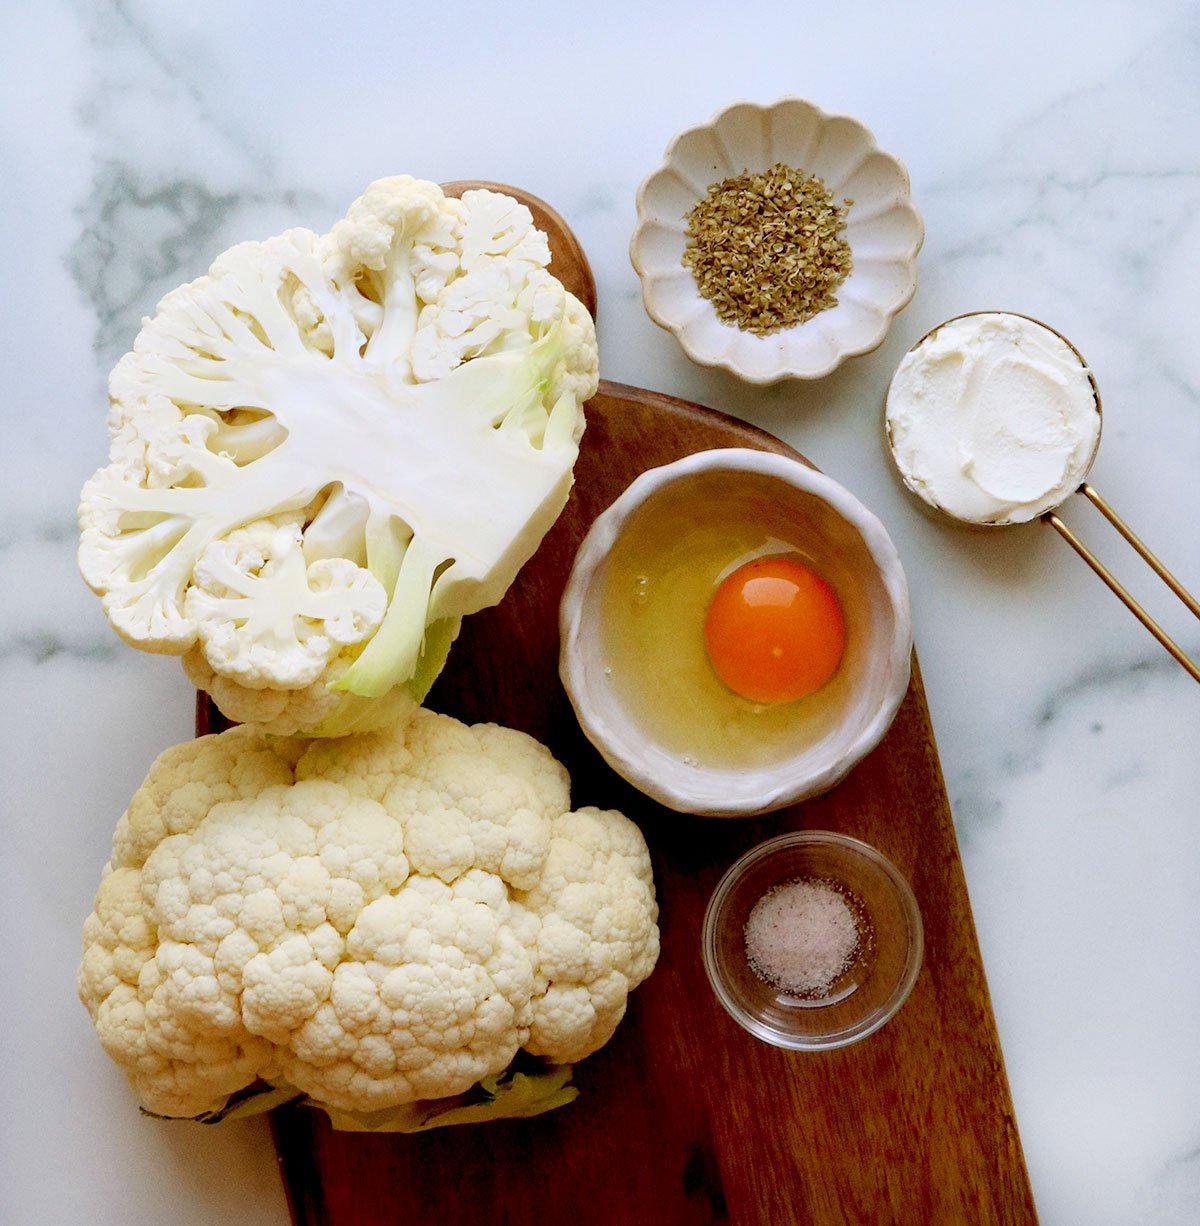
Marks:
<point>405,391</point>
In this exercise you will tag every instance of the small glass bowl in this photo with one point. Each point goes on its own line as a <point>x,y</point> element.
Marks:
<point>881,972</point>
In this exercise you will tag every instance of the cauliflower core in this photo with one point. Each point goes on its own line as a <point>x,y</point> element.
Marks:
<point>329,449</point>
<point>375,921</point>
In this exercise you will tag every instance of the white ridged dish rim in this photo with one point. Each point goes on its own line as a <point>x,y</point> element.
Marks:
<point>651,275</point>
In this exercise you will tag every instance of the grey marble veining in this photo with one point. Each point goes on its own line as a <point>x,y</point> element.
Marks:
<point>140,240</point>
<point>1055,157</point>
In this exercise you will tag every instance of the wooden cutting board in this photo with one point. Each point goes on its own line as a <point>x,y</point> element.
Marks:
<point>684,1119</point>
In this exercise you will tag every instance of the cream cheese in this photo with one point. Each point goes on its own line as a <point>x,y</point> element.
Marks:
<point>993,419</point>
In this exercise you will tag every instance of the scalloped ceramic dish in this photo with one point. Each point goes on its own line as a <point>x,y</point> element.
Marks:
<point>883,229</point>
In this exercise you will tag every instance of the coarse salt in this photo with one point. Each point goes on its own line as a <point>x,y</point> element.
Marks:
<point>801,936</point>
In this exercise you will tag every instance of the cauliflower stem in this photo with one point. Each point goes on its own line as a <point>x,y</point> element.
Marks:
<point>528,1087</point>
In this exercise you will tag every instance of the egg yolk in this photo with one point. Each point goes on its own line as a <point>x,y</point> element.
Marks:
<point>774,631</point>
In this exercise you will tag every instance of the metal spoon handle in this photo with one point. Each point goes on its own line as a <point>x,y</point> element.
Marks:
<point>1122,594</point>
<point>1143,551</point>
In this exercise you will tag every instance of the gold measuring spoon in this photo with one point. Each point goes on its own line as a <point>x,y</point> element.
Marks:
<point>1049,513</point>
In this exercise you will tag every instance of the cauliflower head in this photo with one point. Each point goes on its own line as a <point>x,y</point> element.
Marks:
<point>374,921</point>
<point>331,448</point>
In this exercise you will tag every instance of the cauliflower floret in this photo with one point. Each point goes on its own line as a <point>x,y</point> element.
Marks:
<point>484,286</point>
<point>576,378</point>
<point>377,920</point>
<point>281,712</point>
<point>459,798</point>
<point>434,995</point>
<point>404,394</point>
<point>266,618</point>
<point>598,936</point>
<point>188,780</point>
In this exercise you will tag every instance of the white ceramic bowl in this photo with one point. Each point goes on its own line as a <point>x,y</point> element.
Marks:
<point>845,542</point>
<point>883,229</point>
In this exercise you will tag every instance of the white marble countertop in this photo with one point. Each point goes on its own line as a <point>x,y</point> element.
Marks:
<point>1055,157</point>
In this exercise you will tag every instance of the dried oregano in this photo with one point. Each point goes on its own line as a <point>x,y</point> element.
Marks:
<point>768,250</point>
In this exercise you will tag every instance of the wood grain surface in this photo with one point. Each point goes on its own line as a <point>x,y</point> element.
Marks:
<point>683,1118</point>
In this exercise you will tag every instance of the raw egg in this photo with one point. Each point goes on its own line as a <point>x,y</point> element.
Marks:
<point>716,615</point>
<point>774,631</point>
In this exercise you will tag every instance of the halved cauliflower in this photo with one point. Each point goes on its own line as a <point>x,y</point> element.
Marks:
<point>329,449</point>
<point>378,922</point>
